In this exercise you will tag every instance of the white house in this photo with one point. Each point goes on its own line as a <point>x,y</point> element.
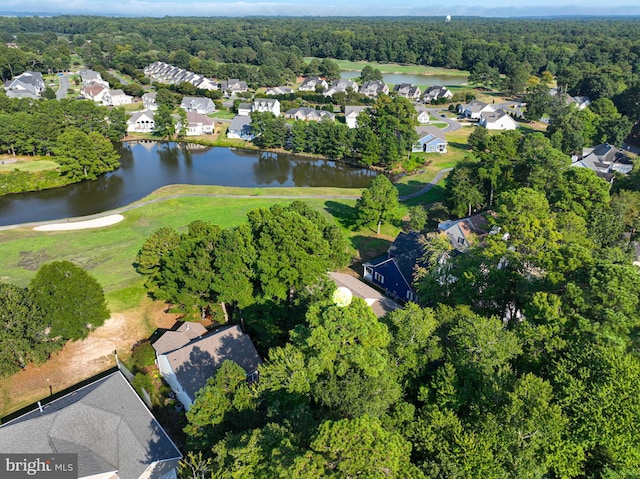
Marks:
<point>373,88</point>
<point>188,359</point>
<point>407,90</point>
<point>141,122</point>
<point>498,120</point>
<point>96,92</point>
<point>202,105</point>
<point>341,86</point>
<point>351,115</point>
<point>423,115</point>
<point>149,101</point>
<point>198,124</point>
<point>279,90</point>
<point>26,85</point>
<point>117,98</point>
<point>475,109</point>
<point>261,105</point>
<point>308,114</point>
<point>310,84</point>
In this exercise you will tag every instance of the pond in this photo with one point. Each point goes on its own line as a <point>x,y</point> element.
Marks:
<point>428,80</point>
<point>149,165</point>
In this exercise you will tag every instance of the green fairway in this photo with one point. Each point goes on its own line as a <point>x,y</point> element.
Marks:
<point>28,165</point>
<point>108,253</point>
<point>397,68</point>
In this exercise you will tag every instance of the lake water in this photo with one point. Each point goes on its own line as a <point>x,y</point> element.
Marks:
<point>396,78</point>
<point>147,166</point>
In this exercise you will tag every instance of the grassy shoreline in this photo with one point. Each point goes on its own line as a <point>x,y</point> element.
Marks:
<point>396,68</point>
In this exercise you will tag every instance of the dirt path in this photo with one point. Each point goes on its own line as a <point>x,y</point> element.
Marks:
<point>80,360</point>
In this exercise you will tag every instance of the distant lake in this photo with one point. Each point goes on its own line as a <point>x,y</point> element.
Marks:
<point>149,165</point>
<point>396,78</point>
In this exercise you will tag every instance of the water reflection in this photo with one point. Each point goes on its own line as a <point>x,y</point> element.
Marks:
<point>149,165</point>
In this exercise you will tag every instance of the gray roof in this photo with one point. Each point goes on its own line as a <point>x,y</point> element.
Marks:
<point>197,361</point>
<point>355,110</point>
<point>105,423</point>
<point>433,131</point>
<point>406,250</point>
<point>378,302</point>
<point>240,122</point>
<point>172,340</point>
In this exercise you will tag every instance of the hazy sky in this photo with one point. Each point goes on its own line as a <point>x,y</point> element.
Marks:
<point>492,8</point>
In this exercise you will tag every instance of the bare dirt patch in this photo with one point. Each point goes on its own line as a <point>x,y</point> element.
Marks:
<point>80,360</point>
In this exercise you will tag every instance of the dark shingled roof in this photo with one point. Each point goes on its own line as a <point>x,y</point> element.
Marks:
<point>105,423</point>
<point>406,250</point>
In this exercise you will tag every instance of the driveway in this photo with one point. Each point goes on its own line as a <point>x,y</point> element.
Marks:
<point>64,86</point>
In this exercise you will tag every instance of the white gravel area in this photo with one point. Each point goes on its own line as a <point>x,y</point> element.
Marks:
<point>80,225</point>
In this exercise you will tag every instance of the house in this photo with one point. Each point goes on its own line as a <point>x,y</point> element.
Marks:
<point>378,302</point>
<point>260,105</point>
<point>198,124</point>
<point>497,120</point>
<point>461,233</point>
<point>91,76</point>
<point>202,105</point>
<point>407,90</point>
<point>393,271</point>
<point>149,101</point>
<point>279,90</point>
<point>423,115</point>
<point>166,73</point>
<point>26,85</point>
<point>351,115</point>
<point>240,128</point>
<point>141,122</point>
<point>187,367</point>
<point>233,86</point>
<point>341,86</point>
<point>373,88</point>
<point>312,83</point>
<point>117,98</point>
<point>604,159</point>
<point>106,424</point>
<point>97,92</point>
<point>436,93</point>
<point>309,114</point>
<point>580,102</point>
<point>475,109</point>
<point>431,140</point>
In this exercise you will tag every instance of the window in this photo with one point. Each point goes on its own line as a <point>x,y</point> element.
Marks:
<point>378,277</point>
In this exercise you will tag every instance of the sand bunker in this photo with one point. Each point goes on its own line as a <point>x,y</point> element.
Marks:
<point>80,225</point>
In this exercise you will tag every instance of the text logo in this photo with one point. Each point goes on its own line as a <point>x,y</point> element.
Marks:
<point>39,466</point>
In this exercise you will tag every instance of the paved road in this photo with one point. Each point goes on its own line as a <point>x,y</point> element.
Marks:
<point>64,86</point>
<point>436,179</point>
<point>452,125</point>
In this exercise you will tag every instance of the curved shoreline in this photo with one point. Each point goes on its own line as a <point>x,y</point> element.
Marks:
<point>66,224</point>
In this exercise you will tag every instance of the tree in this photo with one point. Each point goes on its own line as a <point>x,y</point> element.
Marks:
<point>165,125</point>
<point>117,123</point>
<point>85,155</point>
<point>378,203</point>
<point>368,74</point>
<point>23,330</point>
<point>359,447</point>
<point>417,218</point>
<point>73,301</point>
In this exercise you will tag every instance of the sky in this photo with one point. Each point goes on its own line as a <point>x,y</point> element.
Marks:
<point>485,8</point>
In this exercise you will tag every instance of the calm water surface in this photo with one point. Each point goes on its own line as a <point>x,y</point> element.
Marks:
<point>147,166</point>
<point>396,78</point>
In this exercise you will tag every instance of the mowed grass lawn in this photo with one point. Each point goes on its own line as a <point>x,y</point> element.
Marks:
<point>26,164</point>
<point>396,68</point>
<point>108,253</point>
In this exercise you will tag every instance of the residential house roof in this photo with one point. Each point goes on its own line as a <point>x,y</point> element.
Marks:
<point>460,232</point>
<point>240,122</point>
<point>172,340</point>
<point>279,90</point>
<point>309,83</point>
<point>198,360</point>
<point>436,92</point>
<point>195,118</point>
<point>105,423</point>
<point>309,114</point>
<point>489,118</point>
<point>406,250</point>
<point>374,88</point>
<point>407,90</point>
<point>191,103</point>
